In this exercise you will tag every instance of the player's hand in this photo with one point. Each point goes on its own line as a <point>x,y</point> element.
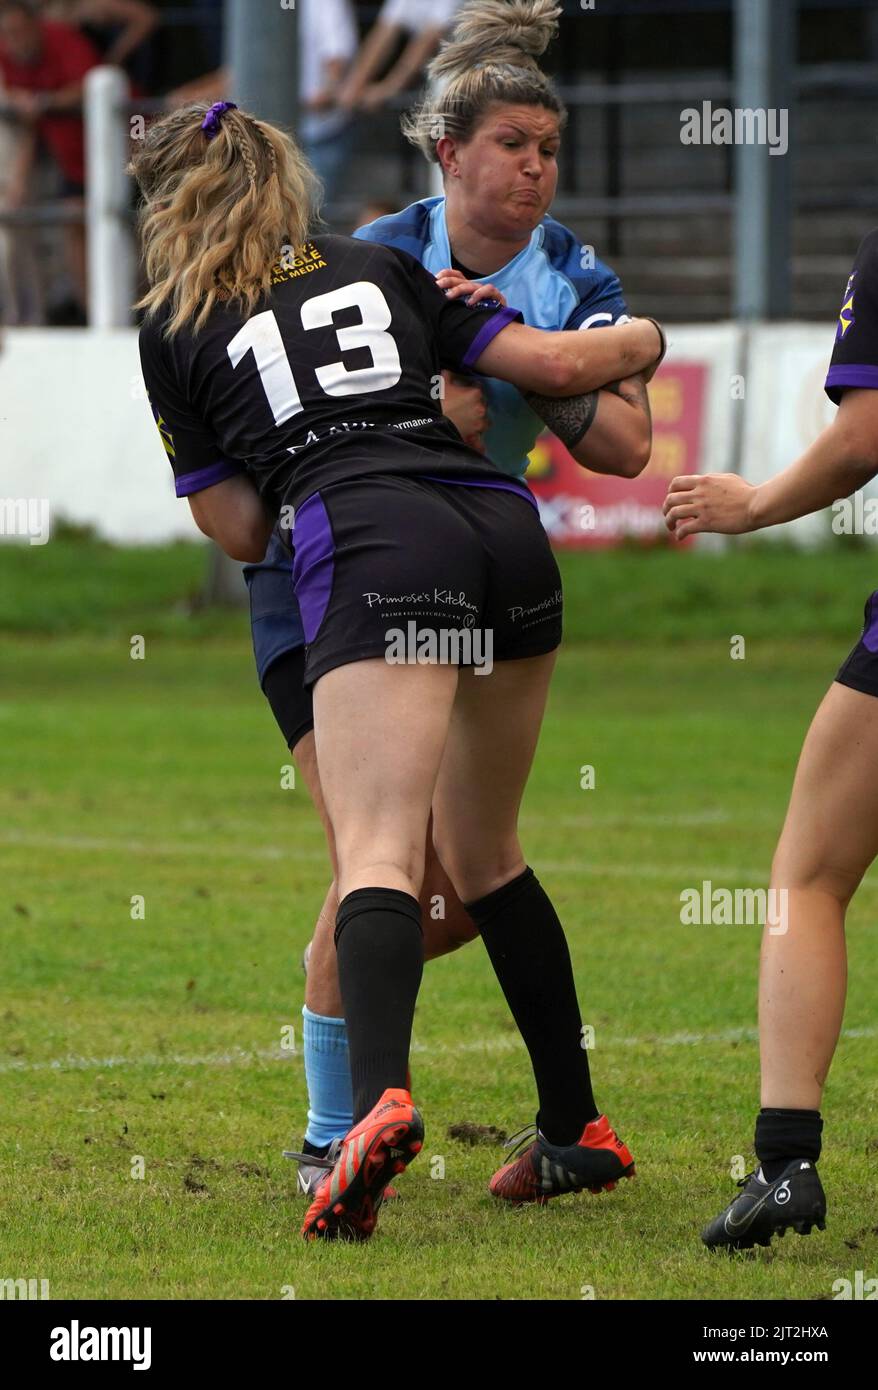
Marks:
<point>464,403</point>
<point>456,286</point>
<point>720,502</point>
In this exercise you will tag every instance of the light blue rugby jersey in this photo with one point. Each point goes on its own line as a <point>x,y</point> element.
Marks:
<point>555,281</point>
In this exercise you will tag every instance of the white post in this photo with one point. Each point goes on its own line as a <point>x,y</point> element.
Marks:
<point>111,262</point>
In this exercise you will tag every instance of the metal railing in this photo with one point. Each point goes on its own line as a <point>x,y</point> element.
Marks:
<point>107,209</point>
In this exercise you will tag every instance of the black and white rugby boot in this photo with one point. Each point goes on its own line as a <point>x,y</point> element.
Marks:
<point>313,1167</point>
<point>764,1209</point>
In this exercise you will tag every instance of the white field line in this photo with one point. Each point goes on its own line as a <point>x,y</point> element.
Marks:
<point>241,1057</point>
<point>688,874</point>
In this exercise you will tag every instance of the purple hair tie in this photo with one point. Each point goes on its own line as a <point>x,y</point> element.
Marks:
<point>211,123</point>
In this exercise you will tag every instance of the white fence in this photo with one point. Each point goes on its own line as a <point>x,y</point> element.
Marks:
<point>76,428</point>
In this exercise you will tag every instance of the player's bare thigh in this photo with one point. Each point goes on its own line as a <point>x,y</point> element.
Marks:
<point>446,924</point>
<point>830,835</point>
<point>488,754</point>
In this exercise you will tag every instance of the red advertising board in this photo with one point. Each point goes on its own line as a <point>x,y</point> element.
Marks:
<point>581,509</point>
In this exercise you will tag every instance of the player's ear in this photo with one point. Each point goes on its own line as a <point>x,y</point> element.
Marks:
<point>446,153</point>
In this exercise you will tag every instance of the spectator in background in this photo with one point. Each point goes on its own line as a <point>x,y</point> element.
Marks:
<point>117,28</point>
<point>20,286</point>
<point>425,21</point>
<point>326,131</point>
<point>43,65</point>
<point>327,44</point>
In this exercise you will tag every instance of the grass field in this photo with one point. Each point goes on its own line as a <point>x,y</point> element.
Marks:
<point>160,1038</point>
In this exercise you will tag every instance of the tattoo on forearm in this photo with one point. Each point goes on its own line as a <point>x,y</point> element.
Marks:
<point>571,417</point>
<point>568,417</point>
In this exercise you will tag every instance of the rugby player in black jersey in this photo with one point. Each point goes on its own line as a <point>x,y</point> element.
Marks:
<point>830,835</point>
<point>298,389</point>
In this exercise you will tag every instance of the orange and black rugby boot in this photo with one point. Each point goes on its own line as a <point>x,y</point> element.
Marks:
<point>347,1201</point>
<point>544,1170</point>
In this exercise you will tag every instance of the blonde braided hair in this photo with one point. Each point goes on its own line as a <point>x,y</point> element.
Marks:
<point>216,213</point>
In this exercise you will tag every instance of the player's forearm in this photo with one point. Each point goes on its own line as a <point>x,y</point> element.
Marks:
<point>233,514</point>
<point>620,440</point>
<point>836,464</point>
<point>607,431</point>
<point>634,349</point>
<point>571,363</point>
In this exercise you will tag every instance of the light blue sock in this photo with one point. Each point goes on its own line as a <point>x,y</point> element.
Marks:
<point>328,1074</point>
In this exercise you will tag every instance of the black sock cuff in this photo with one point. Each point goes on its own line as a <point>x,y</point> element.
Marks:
<point>376,900</point>
<point>792,1114</point>
<point>483,909</point>
<point>784,1134</point>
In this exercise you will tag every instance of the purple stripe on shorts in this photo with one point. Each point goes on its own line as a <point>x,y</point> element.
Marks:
<point>508,485</point>
<point>206,477</point>
<point>855,374</point>
<point>314,563</point>
<point>488,331</point>
<point>870,636</point>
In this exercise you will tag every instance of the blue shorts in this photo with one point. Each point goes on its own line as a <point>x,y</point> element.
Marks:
<point>279,641</point>
<point>275,621</point>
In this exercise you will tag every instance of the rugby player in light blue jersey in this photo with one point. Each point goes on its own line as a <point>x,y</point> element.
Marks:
<point>495,130</point>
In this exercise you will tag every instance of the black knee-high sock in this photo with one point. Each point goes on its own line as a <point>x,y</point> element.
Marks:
<point>782,1135</point>
<point>528,951</point>
<point>380,952</point>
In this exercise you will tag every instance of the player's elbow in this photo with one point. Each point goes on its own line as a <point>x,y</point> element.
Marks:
<point>246,545</point>
<point>857,451</point>
<point>246,542</point>
<point>625,458</point>
<point>637,455</point>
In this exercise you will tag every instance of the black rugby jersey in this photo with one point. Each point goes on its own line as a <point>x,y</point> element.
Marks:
<point>855,355</point>
<point>334,375</point>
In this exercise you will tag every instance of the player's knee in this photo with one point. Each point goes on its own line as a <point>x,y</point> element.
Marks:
<point>813,869</point>
<point>476,874</point>
<point>389,868</point>
<point>447,924</point>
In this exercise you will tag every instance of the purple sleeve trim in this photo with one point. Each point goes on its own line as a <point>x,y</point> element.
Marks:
<point>852,375</point>
<point>488,331</point>
<point>206,477</point>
